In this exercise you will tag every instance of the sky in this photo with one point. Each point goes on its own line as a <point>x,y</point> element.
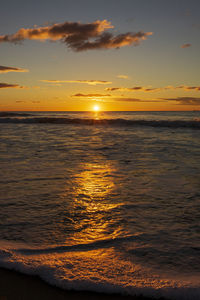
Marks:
<point>122,55</point>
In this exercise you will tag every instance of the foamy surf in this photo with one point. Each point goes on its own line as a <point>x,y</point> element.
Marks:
<point>99,270</point>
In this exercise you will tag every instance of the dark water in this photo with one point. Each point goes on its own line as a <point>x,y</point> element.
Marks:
<point>103,201</point>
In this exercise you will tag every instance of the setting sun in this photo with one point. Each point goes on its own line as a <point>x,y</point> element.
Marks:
<point>96,108</point>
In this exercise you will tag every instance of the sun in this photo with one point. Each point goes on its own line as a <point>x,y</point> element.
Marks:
<point>96,108</point>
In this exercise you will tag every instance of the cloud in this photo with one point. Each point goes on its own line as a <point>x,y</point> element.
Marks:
<point>133,89</point>
<point>123,99</point>
<point>152,89</point>
<point>91,95</point>
<point>184,100</point>
<point>127,99</point>
<point>4,69</point>
<point>72,30</point>
<point>77,36</point>
<point>145,89</point>
<point>122,76</point>
<point>186,46</point>
<point>8,85</point>
<point>90,82</point>
<point>108,41</point>
<point>109,98</point>
<point>189,88</point>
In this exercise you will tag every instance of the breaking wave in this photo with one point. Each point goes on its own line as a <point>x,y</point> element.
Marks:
<point>6,114</point>
<point>194,124</point>
<point>92,271</point>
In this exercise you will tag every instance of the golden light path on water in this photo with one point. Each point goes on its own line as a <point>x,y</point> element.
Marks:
<point>92,187</point>
<point>95,182</point>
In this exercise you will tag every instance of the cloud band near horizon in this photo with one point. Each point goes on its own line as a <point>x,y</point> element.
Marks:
<point>4,69</point>
<point>78,36</point>
<point>91,95</point>
<point>110,98</point>
<point>184,100</point>
<point>9,85</point>
<point>90,82</point>
<point>146,89</point>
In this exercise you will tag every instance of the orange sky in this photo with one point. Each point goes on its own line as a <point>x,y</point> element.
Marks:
<point>141,57</point>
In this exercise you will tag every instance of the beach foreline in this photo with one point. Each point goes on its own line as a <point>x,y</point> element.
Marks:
<point>15,285</point>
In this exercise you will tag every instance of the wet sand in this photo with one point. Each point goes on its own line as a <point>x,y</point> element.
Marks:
<point>17,286</point>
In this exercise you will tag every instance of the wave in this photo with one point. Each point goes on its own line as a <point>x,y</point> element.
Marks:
<point>193,124</point>
<point>100,244</point>
<point>13,114</point>
<point>101,272</point>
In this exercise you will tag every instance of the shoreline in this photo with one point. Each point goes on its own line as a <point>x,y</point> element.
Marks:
<point>17,286</point>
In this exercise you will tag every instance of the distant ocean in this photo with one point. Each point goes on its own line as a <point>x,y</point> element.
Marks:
<point>106,201</point>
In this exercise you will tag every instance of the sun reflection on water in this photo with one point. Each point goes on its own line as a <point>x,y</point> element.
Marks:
<point>95,180</point>
<point>93,204</point>
<point>94,184</point>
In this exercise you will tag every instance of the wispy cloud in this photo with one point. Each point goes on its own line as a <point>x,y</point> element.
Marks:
<point>8,85</point>
<point>4,69</point>
<point>110,98</point>
<point>124,99</point>
<point>184,100</point>
<point>91,95</point>
<point>122,76</point>
<point>90,82</point>
<point>106,98</point>
<point>186,45</point>
<point>189,88</point>
<point>78,36</point>
<point>132,89</point>
<point>146,89</point>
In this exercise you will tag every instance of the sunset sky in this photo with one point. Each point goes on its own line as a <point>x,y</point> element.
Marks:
<point>120,54</point>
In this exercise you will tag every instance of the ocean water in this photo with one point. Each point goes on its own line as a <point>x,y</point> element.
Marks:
<point>106,201</point>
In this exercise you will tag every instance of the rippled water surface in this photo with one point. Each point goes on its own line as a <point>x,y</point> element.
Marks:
<point>99,203</point>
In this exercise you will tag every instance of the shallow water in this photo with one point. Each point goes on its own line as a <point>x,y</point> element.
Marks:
<point>106,201</point>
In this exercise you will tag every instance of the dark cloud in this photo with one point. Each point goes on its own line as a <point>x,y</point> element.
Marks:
<point>186,45</point>
<point>4,69</point>
<point>108,41</point>
<point>184,100</point>
<point>90,82</point>
<point>77,36</point>
<point>7,85</point>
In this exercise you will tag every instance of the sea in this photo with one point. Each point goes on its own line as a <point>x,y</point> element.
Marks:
<point>106,201</point>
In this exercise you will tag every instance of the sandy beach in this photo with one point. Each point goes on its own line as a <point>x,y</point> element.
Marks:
<point>17,286</point>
